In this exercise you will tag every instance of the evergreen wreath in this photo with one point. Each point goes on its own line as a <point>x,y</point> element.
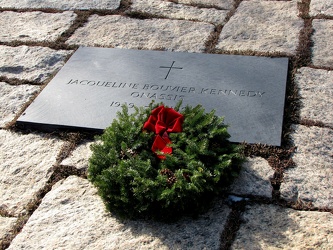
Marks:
<point>147,164</point>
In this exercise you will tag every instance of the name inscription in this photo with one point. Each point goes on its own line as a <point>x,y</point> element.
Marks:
<point>167,92</point>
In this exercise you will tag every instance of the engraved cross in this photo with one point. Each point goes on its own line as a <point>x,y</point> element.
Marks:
<point>171,67</point>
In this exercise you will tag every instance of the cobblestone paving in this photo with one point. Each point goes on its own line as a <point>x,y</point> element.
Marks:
<point>286,193</point>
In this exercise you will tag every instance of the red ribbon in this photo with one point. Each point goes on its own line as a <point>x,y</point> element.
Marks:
<point>163,121</point>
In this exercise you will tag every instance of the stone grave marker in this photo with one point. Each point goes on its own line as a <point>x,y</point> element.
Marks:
<point>91,87</point>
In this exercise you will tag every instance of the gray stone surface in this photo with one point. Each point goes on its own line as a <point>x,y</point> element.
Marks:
<point>322,53</point>
<point>222,4</point>
<point>316,92</point>
<point>62,4</point>
<point>6,224</point>
<point>261,26</point>
<point>34,26</point>
<point>123,32</point>
<point>72,216</point>
<point>79,158</point>
<point>273,227</point>
<point>251,87</point>
<point>179,11</point>
<point>25,164</point>
<point>12,98</point>
<point>30,63</point>
<point>254,179</point>
<point>312,178</point>
<point>324,7</point>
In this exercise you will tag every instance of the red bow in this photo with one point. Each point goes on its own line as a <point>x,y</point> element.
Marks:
<point>163,121</point>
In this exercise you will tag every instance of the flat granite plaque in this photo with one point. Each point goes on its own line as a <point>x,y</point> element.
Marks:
<point>88,91</point>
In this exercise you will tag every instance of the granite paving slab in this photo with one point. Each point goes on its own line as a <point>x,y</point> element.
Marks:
<point>12,99</point>
<point>62,4</point>
<point>178,11</point>
<point>34,64</point>
<point>123,32</point>
<point>79,158</point>
<point>254,179</point>
<point>322,53</point>
<point>25,166</point>
<point>262,26</point>
<point>312,178</point>
<point>321,7</point>
<point>316,92</point>
<point>72,216</point>
<point>34,26</point>
<point>222,4</point>
<point>274,227</point>
<point>6,224</point>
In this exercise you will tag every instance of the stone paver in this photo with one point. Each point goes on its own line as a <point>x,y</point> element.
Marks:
<point>30,63</point>
<point>312,178</point>
<point>322,53</point>
<point>12,98</point>
<point>268,26</point>
<point>64,5</point>
<point>222,4</point>
<point>6,224</point>
<point>273,227</point>
<point>254,179</point>
<point>79,158</point>
<point>316,92</point>
<point>124,32</point>
<point>25,164</point>
<point>324,7</point>
<point>179,11</point>
<point>72,216</point>
<point>34,26</point>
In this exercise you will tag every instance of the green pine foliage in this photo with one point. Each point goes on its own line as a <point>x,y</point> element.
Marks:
<point>134,183</point>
